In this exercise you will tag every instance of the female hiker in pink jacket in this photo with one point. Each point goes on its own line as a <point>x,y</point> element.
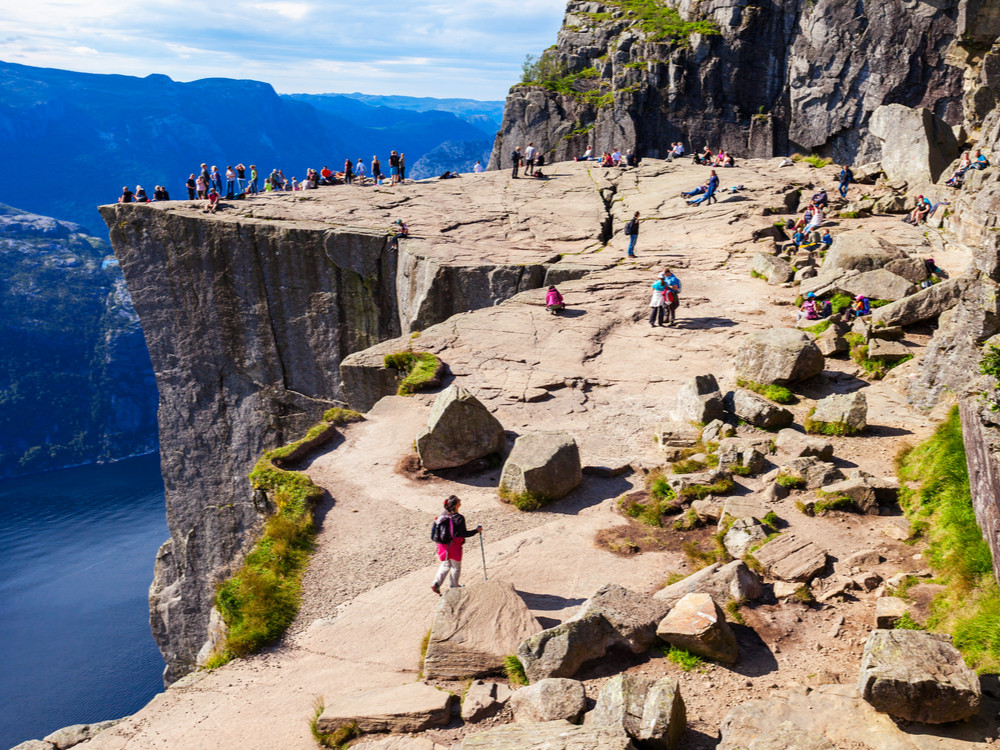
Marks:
<point>450,526</point>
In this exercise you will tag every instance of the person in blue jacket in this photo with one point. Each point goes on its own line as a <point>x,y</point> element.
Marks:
<point>713,185</point>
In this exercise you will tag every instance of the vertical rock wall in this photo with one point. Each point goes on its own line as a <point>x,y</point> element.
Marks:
<point>246,323</point>
<point>790,75</point>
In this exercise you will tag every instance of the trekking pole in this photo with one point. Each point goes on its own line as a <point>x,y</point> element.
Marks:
<point>482,549</point>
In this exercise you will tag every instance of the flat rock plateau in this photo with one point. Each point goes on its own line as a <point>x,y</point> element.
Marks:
<point>599,372</point>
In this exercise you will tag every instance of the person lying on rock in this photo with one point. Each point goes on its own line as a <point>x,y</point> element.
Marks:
<point>452,524</point>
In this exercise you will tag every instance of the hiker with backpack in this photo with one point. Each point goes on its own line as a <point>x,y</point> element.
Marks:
<point>846,178</point>
<point>449,533</point>
<point>632,232</point>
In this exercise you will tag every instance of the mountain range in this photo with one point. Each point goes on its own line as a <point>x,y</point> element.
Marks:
<point>72,140</point>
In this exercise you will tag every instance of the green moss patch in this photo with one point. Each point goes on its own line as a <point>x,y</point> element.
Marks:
<point>421,368</point>
<point>777,393</point>
<point>524,501</point>
<point>819,328</point>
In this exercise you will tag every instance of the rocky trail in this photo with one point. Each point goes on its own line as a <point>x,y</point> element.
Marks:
<point>600,373</point>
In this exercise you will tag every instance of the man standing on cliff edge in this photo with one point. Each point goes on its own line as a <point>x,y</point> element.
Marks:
<point>515,162</point>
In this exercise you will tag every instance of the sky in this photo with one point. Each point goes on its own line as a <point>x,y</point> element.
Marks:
<point>471,49</point>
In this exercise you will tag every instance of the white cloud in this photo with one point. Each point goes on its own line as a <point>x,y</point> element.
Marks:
<point>472,49</point>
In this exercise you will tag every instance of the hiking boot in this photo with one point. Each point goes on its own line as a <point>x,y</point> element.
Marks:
<point>436,589</point>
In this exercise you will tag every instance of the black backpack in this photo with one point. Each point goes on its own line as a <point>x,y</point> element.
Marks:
<point>441,530</point>
<point>630,228</point>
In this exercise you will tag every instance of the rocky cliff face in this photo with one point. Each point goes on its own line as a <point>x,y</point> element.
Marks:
<point>76,385</point>
<point>247,317</point>
<point>774,78</point>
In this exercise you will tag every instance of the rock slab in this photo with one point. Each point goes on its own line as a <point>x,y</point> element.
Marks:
<point>483,700</point>
<point>474,628</point>
<point>548,735</point>
<point>459,430</point>
<point>550,699</point>
<point>699,400</point>
<point>790,558</point>
<point>847,410</point>
<point>918,676</point>
<point>412,707</point>
<point>723,582</point>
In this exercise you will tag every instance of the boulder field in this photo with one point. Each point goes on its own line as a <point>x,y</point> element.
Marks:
<point>601,375</point>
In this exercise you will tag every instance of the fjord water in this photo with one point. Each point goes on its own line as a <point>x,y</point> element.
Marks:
<point>77,548</point>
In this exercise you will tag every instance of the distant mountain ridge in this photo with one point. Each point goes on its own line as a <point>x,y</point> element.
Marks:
<point>72,140</point>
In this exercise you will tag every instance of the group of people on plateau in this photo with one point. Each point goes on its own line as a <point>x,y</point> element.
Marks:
<point>707,159</point>
<point>531,159</point>
<point>665,299</point>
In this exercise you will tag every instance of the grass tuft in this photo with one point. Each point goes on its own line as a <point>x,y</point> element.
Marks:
<point>777,393</point>
<point>514,670</point>
<point>905,622</point>
<point>340,417</point>
<point>701,491</point>
<point>420,368</point>
<point>689,466</point>
<point>790,481</point>
<point>840,502</point>
<point>524,501</point>
<point>733,609</point>
<point>425,642</point>
<point>337,739</point>
<point>969,606</point>
<point>819,328</point>
<point>684,658</point>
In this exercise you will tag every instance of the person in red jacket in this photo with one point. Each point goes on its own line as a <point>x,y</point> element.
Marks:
<point>450,554</point>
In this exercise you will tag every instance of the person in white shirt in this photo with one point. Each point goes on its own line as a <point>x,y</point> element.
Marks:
<point>679,149</point>
<point>587,155</point>
<point>529,158</point>
<point>359,170</point>
<point>478,167</point>
<point>616,157</point>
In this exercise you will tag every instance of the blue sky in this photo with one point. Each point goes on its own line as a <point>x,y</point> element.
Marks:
<point>470,49</point>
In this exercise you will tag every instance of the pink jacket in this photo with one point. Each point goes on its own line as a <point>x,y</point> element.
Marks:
<point>553,298</point>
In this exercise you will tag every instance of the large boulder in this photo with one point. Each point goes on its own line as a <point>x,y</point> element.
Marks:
<point>699,400</point>
<point>858,490</point>
<point>483,700</point>
<point>791,558</point>
<point>840,414</point>
<point>474,628</point>
<point>744,534</point>
<point>412,707</point>
<point>814,472</point>
<point>778,355</point>
<point>543,464</point>
<point>633,616</point>
<point>797,444</point>
<point>459,430</point>
<point>550,699</point>
<point>911,269</point>
<point>774,269</point>
<point>73,735</point>
<point>831,343</point>
<point>879,284</point>
<point>923,305</point>
<point>562,650</point>
<point>736,452</point>
<point>722,582</point>
<point>917,145</point>
<point>757,410</point>
<point>696,623</point>
<point>548,735</point>
<point>649,711</point>
<point>918,676</point>
<point>858,250</point>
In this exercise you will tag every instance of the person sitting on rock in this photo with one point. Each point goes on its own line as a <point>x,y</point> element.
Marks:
<point>588,155</point>
<point>126,196</point>
<point>820,198</point>
<point>450,554</point>
<point>808,310</point>
<point>213,201</point>
<point>979,161</point>
<point>606,160</point>
<point>826,239</point>
<point>815,221</point>
<point>859,307</point>
<point>631,160</point>
<point>920,211</point>
<point>554,301</point>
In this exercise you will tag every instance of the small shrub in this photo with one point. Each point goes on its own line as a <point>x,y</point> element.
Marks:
<point>337,739</point>
<point>790,481</point>
<point>903,589</point>
<point>771,519</point>
<point>688,522</point>
<point>804,594</point>
<point>659,486</point>
<point>523,501</point>
<point>819,328</point>
<point>514,670</point>
<point>698,557</point>
<point>907,623</point>
<point>850,214</point>
<point>684,658</point>
<point>689,466</point>
<point>700,491</point>
<point>420,368</point>
<point>840,302</point>
<point>806,509</point>
<point>674,578</point>
<point>740,470</point>
<point>753,563</point>
<point>733,610</point>
<point>834,503</point>
<point>758,275</point>
<point>777,393</point>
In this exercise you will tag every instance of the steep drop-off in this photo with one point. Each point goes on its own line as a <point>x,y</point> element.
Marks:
<point>76,385</point>
<point>773,78</point>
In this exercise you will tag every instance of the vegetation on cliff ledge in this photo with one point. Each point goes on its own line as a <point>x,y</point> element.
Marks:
<point>261,599</point>
<point>941,511</point>
<point>421,368</point>
<point>660,22</point>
